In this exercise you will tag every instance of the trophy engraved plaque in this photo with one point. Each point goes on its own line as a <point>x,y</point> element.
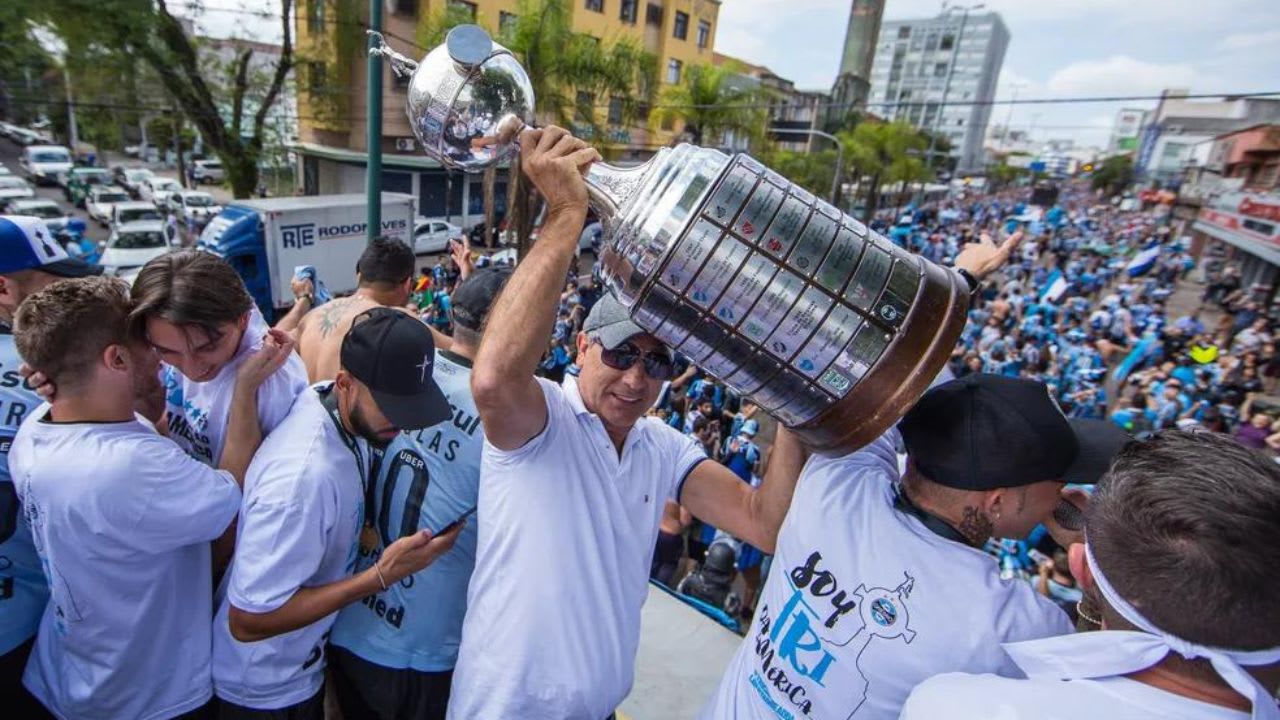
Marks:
<point>798,307</point>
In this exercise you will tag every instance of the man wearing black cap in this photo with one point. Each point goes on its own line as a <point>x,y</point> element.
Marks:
<point>30,260</point>
<point>393,653</point>
<point>880,581</point>
<point>304,511</point>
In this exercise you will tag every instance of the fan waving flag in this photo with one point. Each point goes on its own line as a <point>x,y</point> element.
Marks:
<point>1142,263</point>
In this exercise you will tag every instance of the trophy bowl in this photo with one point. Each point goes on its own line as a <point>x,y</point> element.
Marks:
<point>796,306</point>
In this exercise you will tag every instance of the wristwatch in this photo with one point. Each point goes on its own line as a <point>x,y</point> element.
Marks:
<point>974,284</point>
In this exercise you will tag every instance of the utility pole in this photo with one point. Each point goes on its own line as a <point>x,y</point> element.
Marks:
<point>373,128</point>
<point>1008,120</point>
<point>951,71</point>
<point>73,132</point>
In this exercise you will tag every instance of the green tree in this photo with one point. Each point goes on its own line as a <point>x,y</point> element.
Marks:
<point>883,152</point>
<point>1114,175</point>
<point>712,101</point>
<point>147,31</point>
<point>811,171</point>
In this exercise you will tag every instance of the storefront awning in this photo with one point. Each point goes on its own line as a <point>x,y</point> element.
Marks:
<point>1258,249</point>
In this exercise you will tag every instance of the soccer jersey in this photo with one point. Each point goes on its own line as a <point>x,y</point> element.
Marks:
<point>299,524</point>
<point>426,479</point>
<point>23,590</point>
<point>198,412</point>
<point>123,521</point>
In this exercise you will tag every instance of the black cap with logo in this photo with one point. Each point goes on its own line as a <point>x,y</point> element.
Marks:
<point>983,432</point>
<point>393,355</point>
<point>473,298</point>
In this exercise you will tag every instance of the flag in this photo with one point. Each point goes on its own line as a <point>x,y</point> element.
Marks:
<point>1143,262</point>
<point>1054,286</point>
<point>1141,350</point>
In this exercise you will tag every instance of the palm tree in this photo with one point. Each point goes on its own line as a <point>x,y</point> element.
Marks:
<point>711,104</point>
<point>886,152</point>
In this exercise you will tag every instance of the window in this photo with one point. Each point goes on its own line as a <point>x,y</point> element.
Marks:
<point>668,123</point>
<point>316,81</point>
<point>315,17</point>
<point>959,123</point>
<point>627,12</point>
<point>704,34</point>
<point>506,22</point>
<point>653,14</point>
<point>404,7</point>
<point>673,71</point>
<point>583,112</point>
<point>940,69</point>
<point>682,26</point>
<point>931,42</point>
<point>948,42</point>
<point>595,5</point>
<point>615,111</point>
<point>904,32</point>
<point>642,113</point>
<point>469,7</point>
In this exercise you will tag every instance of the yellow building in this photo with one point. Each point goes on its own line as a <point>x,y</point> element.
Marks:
<point>332,89</point>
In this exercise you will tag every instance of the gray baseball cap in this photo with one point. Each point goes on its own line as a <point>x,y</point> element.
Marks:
<point>610,323</point>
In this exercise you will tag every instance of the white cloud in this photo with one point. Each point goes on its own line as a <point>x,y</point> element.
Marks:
<point>1246,41</point>
<point>1123,75</point>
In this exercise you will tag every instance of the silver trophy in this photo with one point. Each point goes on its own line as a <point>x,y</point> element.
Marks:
<point>826,325</point>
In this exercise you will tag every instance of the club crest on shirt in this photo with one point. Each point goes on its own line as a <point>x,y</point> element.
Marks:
<point>821,624</point>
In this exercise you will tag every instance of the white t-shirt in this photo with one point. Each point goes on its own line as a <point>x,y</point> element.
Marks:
<point>567,531</point>
<point>122,520</point>
<point>956,696</point>
<point>198,412</point>
<point>863,603</point>
<point>299,527</point>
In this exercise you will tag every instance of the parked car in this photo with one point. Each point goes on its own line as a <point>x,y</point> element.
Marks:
<point>78,181</point>
<point>192,204</point>
<point>133,211</point>
<point>207,171</point>
<point>43,163</point>
<point>432,235</point>
<point>157,189</point>
<point>132,245</point>
<point>23,136</point>
<point>102,202</point>
<point>131,178</point>
<point>13,187</point>
<point>52,213</point>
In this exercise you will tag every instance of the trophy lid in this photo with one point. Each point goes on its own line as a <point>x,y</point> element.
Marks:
<point>467,100</point>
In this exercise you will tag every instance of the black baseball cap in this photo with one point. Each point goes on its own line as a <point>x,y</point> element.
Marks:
<point>474,297</point>
<point>393,354</point>
<point>983,432</point>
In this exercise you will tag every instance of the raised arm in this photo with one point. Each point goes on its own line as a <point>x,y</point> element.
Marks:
<point>716,496</point>
<point>502,380</point>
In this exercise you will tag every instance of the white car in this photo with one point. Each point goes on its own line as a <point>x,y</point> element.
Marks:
<point>131,180</point>
<point>207,171</point>
<point>102,201</point>
<point>44,163</point>
<point>432,235</point>
<point>157,189</point>
<point>199,206</point>
<point>13,187</point>
<point>133,211</point>
<point>133,245</point>
<point>52,213</point>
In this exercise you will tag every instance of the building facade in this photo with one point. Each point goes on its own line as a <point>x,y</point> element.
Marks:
<point>791,110</point>
<point>1180,131</point>
<point>1126,130</point>
<point>218,56</point>
<point>331,137</point>
<point>918,62</point>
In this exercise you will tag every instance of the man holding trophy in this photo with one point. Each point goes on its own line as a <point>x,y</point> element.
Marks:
<point>801,309</point>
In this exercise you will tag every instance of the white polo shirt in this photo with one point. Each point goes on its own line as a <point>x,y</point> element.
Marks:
<point>566,536</point>
<point>863,603</point>
<point>957,696</point>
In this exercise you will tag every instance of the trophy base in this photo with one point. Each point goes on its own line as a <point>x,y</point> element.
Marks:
<point>905,371</point>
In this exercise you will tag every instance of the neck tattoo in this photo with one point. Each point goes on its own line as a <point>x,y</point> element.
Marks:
<point>975,526</point>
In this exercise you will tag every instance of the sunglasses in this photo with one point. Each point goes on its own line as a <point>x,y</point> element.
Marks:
<point>657,365</point>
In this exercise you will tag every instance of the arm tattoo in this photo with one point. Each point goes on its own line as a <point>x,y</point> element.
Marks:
<point>332,314</point>
<point>975,526</point>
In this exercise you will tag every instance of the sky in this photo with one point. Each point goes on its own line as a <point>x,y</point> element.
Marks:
<point>1058,49</point>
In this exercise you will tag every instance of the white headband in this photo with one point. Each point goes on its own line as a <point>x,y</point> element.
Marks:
<point>1114,653</point>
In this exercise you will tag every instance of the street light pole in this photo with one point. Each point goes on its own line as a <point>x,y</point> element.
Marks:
<point>373,128</point>
<point>951,71</point>
<point>835,181</point>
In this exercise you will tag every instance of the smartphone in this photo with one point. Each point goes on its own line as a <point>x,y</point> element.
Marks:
<point>449,528</point>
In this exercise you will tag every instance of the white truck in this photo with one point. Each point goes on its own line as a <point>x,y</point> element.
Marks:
<point>265,239</point>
